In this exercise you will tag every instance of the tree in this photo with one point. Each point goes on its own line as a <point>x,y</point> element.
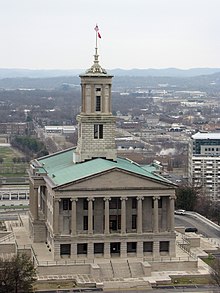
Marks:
<point>186,197</point>
<point>17,274</point>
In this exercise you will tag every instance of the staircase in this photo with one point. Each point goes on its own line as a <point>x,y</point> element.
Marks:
<point>136,269</point>
<point>106,271</point>
<point>121,270</point>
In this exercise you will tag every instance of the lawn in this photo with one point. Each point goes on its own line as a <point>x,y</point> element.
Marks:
<point>8,168</point>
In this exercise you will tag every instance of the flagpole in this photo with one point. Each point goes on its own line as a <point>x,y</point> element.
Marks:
<point>96,43</point>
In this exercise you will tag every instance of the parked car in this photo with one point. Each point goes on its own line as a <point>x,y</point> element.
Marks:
<point>180,212</point>
<point>191,229</point>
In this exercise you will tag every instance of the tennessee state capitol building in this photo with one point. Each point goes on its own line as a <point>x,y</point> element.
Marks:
<point>87,203</point>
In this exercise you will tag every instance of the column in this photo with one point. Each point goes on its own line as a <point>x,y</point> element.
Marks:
<point>139,214</point>
<point>107,199</point>
<point>90,215</point>
<point>90,250</point>
<point>73,216</point>
<point>107,250</point>
<point>123,214</point>
<point>35,203</point>
<point>172,199</point>
<point>156,248</point>
<point>140,249</point>
<point>123,249</point>
<point>56,215</point>
<point>156,221</point>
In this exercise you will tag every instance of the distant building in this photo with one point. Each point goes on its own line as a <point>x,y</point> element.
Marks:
<point>63,129</point>
<point>204,163</point>
<point>13,128</point>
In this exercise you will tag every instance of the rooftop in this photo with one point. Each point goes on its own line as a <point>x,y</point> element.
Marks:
<point>206,135</point>
<point>61,169</point>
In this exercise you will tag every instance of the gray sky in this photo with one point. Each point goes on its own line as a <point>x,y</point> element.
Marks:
<point>59,34</point>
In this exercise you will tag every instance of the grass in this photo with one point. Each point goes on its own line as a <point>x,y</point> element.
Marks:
<point>186,280</point>
<point>8,168</point>
<point>53,285</point>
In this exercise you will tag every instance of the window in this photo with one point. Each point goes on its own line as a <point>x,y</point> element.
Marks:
<point>82,248</point>
<point>134,203</point>
<point>134,222</point>
<point>85,223</point>
<point>85,204</point>
<point>98,103</point>
<point>65,249</point>
<point>148,246</point>
<point>99,248</point>
<point>98,131</point>
<point>164,246</point>
<point>131,246</point>
<point>67,204</point>
<point>98,89</point>
<point>115,203</point>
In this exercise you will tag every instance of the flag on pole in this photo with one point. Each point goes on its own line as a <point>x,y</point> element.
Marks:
<point>97,31</point>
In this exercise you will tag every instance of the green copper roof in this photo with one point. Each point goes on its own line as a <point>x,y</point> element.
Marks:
<point>61,169</point>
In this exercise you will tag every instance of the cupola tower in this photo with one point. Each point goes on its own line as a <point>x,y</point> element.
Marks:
<point>96,124</point>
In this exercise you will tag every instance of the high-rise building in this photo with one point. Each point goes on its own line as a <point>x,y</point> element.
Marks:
<point>204,163</point>
<point>86,202</point>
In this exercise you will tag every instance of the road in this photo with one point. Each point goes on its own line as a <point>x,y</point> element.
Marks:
<point>204,228</point>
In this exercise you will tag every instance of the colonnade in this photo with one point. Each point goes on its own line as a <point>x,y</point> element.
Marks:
<point>107,215</point>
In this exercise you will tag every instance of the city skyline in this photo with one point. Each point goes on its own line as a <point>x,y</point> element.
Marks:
<point>53,34</point>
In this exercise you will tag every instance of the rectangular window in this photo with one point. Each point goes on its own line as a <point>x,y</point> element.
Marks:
<point>85,223</point>
<point>164,246</point>
<point>85,204</point>
<point>134,203</point>
<point>82,248</point>
<point>66,204</point>
<point>98,89</point>
<point>98,131</point>
<point>98,103</point>
<point>148,246</point>
<point>65,249</point>
<point>115,203</point>
<point>98,248</point>
<point>134,222</point>
<point>131,246</point>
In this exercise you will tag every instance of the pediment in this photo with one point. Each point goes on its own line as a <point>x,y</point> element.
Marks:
<point>116,179</point>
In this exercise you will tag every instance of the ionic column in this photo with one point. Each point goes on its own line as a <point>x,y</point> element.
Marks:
<point>107,199</point>
<point>139,214</point>
<point>73,216</point>
<point>172,199</point>
<point>123,214</point>
<point>56,215</point>
<point>156,220</point>
<point>90,214</point>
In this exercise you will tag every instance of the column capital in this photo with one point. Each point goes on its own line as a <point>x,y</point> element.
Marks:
<point>140,197</point>
<point>107,198</point>
<point>156,197</point>
<point>74,199</point>
<point>90,198</point>
<point>123,198</point>
<point>172,197</point>
<point>57,199</point>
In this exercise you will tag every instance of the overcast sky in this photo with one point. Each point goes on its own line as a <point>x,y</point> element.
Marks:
<point>59,34</point>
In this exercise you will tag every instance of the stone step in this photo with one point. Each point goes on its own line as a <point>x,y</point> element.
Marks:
<point>106,271</point>
<point>136,269</point>
<point>121,270</point>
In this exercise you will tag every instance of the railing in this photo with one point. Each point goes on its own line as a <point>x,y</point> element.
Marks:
<point>7,237</point>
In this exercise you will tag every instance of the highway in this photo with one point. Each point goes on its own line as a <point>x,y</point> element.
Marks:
<point>204,227</point>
